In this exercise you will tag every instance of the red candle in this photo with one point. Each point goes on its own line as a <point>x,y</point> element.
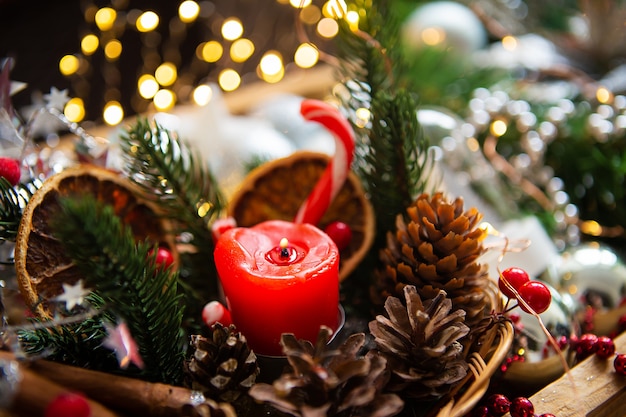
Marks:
<point>279,277</point>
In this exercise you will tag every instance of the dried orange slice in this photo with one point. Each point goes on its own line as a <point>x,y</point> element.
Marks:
<point>40,262</point>
<point>276,190</point>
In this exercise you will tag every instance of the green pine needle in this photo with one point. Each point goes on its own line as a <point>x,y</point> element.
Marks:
<point>124,275</point>
<point>12,202</point>
<point>166,168</point>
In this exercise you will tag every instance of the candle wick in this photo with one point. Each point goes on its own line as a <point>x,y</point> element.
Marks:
<point>284,248</point>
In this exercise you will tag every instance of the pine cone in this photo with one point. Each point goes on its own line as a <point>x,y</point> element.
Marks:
<point>222,366</point>
<point>421,344</point>
<point>326,382</point>
<point>437,250</point>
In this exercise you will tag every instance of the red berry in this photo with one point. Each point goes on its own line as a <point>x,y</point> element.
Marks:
<point>547,415</point>
<point>620,364</point>
<point>69,404</point>
<point>605,347</point>
<point>340,233</point>
<point>498,405</point>
<point>516,277</point>
<point>586,345</point>
<point>522,407</point>
<point>164,257</point>
<point>10,169</point>
<point>537,295</point>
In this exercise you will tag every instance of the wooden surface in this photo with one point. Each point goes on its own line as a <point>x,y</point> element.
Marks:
<point>592,388</point>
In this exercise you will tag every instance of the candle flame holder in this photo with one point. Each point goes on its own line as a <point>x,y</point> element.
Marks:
<point>272,367</point>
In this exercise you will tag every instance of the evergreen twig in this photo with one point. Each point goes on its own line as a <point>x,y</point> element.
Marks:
<point>133,287</point>
<point>12,202</point>
<point>166,168</point>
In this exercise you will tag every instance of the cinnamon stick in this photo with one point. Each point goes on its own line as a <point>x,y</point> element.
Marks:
<point>35,392</point>
<point>129,396</point>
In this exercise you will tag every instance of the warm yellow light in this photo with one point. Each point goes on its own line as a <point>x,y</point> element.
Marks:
<point>188,11</point>
<point>272,78</point>
<point>89,44</point>
<point>113,49</point>
<point>229,80</point>
<point>472,144</point>
<point>241,50</point>
<point>603,95</point>
<point>300,4</point>
<point>327,28</point>
<point>433,36</point>
<point>591,227</point>
<point>232,29</point>
<point>166,74</point>
<point>74,110</point>
<point>147,86</point>
<point>310,15</point>
<point>113,113</point>
<point>498,127</point>
<point>105,18</point>
<point>271,63</point>
<point>509,43</point>
<point>202,95</point>
<point>353,20</point>
<point>69,64</point>
<point>164,100</point>
<point>147,21</point>
<point>363,116</point>
<point>306,55</point>
<point>336,9</point>
<point>212,51</point>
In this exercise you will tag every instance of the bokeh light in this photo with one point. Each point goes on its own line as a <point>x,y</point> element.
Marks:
<point>164,99</point>
<point>105,18</point>
<point>188,11</point>
<point>113,113</point>
<point>232,29</point>
<point>202,95</point>
<point>89,44</point>
<point>229,80</point>
<point>147,86</point>
<point>241,50</point>
<point>69,65</point>
<point>211,51</point>
<point>147,21</point>
<point>306,55</point>
<point>74,110</point>
<point>113,49</point>
<point>166,74</point>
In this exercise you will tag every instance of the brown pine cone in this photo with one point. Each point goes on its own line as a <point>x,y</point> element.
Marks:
<point>421,344</point>
<point>222,366</point>
<point>436,248</point>
<point>329,382</point>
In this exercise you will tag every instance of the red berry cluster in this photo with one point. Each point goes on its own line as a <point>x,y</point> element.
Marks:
<point>515,283</point>
<point>498,405</point>
<point>602,346</point>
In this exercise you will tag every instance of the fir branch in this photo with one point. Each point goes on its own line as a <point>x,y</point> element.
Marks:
<point>132,286</point>
<point>186,190</point>
<point>12,202</point>
<point>396,166</point>
<point>78,343</point>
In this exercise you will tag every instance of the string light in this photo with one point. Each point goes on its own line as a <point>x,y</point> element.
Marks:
<point>160,82</point>
<point>113,113</point>
<point>74,110</point>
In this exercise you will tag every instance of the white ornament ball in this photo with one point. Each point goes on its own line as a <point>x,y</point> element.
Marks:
<point>444,23</point>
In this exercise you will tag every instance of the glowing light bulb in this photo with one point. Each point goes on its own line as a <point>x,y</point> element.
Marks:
<point>105,18</point>
<point>306,55</point>
<point>241,50</point>
<point>202,95</point>
<point>164,99</point>
<point>89,44</point>
<point>147,86</point>
<point>113,49</point>
<point>147,21</point>
<point>113,113</point>
<point>211,51</point>
<point>74,110</point>
<point>232,29</point>
<point>188,11</point>
<point>229,80</point>
<point>166,74</point>
<point>69,64</point>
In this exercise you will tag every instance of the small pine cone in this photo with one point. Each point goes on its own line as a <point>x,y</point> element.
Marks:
<point>421,344</point>
<point>208,408</point>
<point>437,250</point>
<point>325,382</point>
<point>222,365</point>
